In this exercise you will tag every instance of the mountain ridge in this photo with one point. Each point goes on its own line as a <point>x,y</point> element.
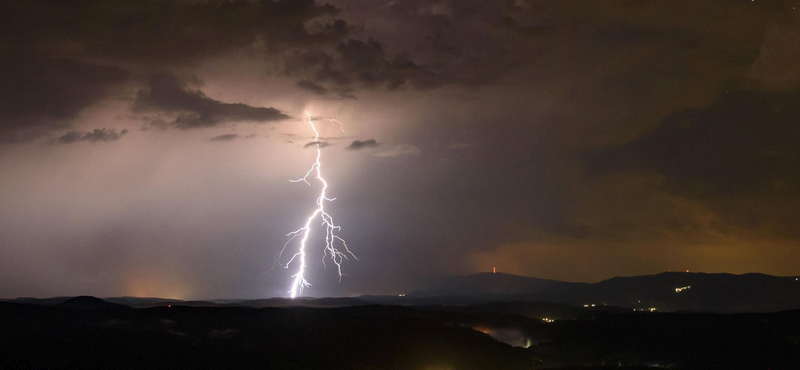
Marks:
<point>665,291</point>
<point>669,291</point>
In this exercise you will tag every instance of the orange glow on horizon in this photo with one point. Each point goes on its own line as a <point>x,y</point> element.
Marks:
<point>155,284</point>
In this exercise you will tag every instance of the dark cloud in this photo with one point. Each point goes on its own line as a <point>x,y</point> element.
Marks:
<point>296,137</point>
<point>627,35</point>
<point>737,158</point>
<point>775,66</point>
<point>744,142</point>
<point>440,43</point>
<point>61,57</point>
<point>321,144</point>
<point>39,94</point>
<point>356,64</point>
<point>312,86</point>
<point>553,145</point>
<point>156,124</point>
<point>359,144</point>
<point>225,137</point>
<point>166,93</point>
<point>153,31</point>
<point>317,47</point>
<point>92,136</point>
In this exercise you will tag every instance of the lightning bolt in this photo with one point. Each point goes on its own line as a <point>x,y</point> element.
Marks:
<point>331,238</point>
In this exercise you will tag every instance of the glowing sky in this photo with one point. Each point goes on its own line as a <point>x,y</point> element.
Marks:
<point>146,147</point>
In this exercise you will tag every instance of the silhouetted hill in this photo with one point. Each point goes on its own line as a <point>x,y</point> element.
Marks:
<point>707,292</point>
<point>302,302</point>
<point>488,283</point>
<point>89,303</point>
<point>38,301</point>
<point>147,302</point>
<point>670,291</point>
<point>137,302</point>
<point>699,292</point>
<point>500,335</point>
<point>357,338</point>
<point>142,302</point>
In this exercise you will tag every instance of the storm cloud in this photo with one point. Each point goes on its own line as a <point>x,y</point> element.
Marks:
<point>96,135</point>
<point>359,144</point>
<point>166,93</point>
<point>225,137</point>
<point>171,33</point>
<point>314,144</point>
<point>60,58</point>
<point>42,94</point>
<point>561,139</point>
<point>356,64</point>
<point>742,143</point>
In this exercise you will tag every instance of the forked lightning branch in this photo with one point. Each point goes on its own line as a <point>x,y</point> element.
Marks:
<point>335,247</point>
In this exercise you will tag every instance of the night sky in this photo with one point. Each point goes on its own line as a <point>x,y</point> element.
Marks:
<point>146,146</point>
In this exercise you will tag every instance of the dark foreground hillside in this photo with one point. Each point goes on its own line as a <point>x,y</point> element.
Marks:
<point>372,337</point>
<point>88,333</point>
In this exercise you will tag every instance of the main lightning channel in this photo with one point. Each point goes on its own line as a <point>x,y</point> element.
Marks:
<point>336,255</point>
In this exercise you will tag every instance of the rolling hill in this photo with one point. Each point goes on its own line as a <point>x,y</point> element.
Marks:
<point>668,291</point>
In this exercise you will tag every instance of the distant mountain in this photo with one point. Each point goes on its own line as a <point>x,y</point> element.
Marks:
<point>668,291</point>
<point>491,283</point>
<point>89,303</point>
<point>139,302</point>
<point>147,302</point>
<point>38,301</point>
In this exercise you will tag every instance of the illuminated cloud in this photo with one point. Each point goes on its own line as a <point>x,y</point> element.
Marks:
<point>61,58</point>
<point>607,139</point>
<point>403,150</point>
<point>166,93</point>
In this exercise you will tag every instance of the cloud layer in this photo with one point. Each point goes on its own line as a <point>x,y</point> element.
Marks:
<point>93,136</point>
<point>362,144</point>
<point>561,139</point>
<point>167,94</point>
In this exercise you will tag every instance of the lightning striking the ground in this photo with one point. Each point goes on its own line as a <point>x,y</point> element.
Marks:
<point>337,255</point>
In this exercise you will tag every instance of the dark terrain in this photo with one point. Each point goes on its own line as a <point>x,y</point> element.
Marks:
<point>483,328</point>
<point>707,293</point>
